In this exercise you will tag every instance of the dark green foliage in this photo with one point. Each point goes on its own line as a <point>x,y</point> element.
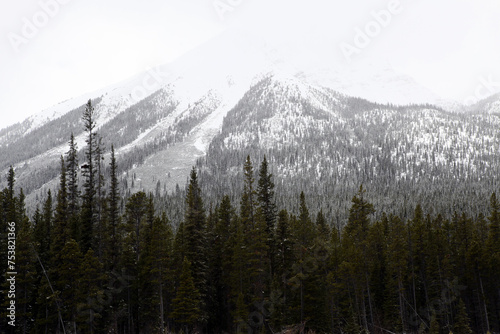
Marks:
<point>61,232</point>
<point>195,241</point>
<point>322,226</point>
<point>462,321</point>
<point>43,229</point>
<point>214,274</point>
<point>186,304</point>
<point>267,207</point>
<point>112,217</point>
<point>88,217</point>
<point>72,185</point>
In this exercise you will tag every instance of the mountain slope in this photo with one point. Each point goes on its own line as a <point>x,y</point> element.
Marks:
<point>328,144</point>
<point>212,108</point>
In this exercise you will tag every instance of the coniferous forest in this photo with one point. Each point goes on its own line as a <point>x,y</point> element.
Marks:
<point>92,260</point>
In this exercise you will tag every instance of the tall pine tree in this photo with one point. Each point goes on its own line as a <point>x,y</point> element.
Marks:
<point>195,237</point>
<point>89,205</point>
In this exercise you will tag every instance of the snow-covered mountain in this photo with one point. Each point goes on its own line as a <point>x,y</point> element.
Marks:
<point>315,122</point>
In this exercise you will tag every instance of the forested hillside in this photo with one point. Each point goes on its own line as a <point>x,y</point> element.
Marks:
<point>96,259</point>
<point>327,144</point>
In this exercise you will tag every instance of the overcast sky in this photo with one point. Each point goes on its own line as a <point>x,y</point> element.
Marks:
<point>52,50</point>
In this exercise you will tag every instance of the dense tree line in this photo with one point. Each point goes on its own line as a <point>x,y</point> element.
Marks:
<point>90,260</point>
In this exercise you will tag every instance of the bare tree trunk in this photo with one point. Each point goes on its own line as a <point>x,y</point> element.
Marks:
<point>369,298</point>
<point>484,303</point>
<point>162,318</point>
<point>401,307</point>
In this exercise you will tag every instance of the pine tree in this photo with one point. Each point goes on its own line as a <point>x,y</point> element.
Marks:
<point>135,219</point>
<point>434,325</point>
<point>355,244</point>
<point>43,230</point>
<point>195,237</point>
<point>161,275</point>
<point>222,246</point>
<point>100,232</point>
<point>377,256</point>
<point>462,321</point>
<point>135,212</point>
<point>147,280</point>
<point>11,179</point>
<point>397,267</point>
<point>65,281</point>
<point>240,283</point>
<point>179,249</point>
<point>112,248</point>
<point>335,286</point>
<point>61,231</point>
<point>248,202</point>
<point>72,185</point>
<point>26,278</point>
<point>25,261</point>
<point>8,215</point>
<point>304,230</point>
<point>186,304</point>
<point>90,310</point>
<point>418,252</point>
<point>494,235</point>
<point>256,237</point>
<point>306,286</point>
<point>267,206</point>
<point>89,205</point>
<point>322,226</point>
<point>493,255</point>
<point>284,261</point>
<point>494,219</point>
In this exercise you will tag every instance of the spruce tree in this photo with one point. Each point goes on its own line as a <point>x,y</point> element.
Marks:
<point>322,226</point>
<point>11,179</point>
<point>90,281</point>
<point>43,230</point>
<point>112,248</point>
<point>26,279</point>
<point>240,283</point>
<point>462,321</point>
<point>195,237</point>
<point>186,304</point>
<point>434,325</point>
<point>494,234</point>
<point>65,281</point>
<point>89,205</point>
<point>267,205</point>
<point>222,247</point>
<point>355,243</point>
<point>73,192</point>
<point>256,237</point>
<point>149,301</point>
<point>161,274</point>
<point>248,198</point>
<point>61,231</point>
<point>100,232</point>
<point>283,267</point>
<point>397,269</point>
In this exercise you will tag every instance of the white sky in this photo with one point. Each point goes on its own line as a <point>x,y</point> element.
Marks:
<point>450,46</point>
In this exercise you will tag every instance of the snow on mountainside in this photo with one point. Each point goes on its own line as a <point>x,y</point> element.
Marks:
<point>233,93</point>
<point>490,105</point>
<point>328,144</point>
<point>236,56</point>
